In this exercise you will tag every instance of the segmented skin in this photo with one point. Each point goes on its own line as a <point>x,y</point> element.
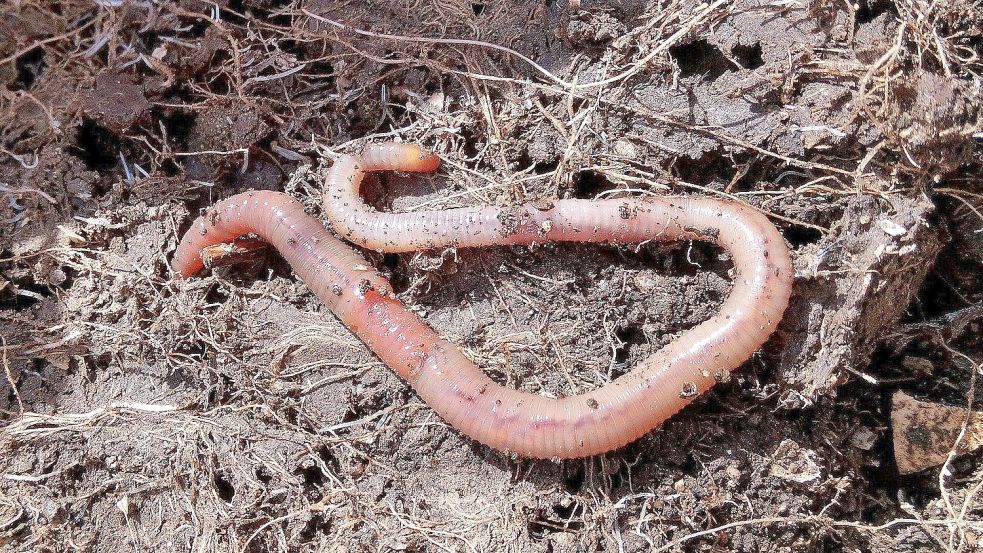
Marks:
<point>506,419</point>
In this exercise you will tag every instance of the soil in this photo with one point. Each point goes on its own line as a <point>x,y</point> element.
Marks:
<point>234,413</point>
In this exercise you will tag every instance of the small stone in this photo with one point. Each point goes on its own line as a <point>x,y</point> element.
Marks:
<point>626,149</point>
<point>644,282</point>
<point>919,366</point>
<point>124,505</point>
<point>795,463</point>
<point>924,433</point>
<point>864,438</point>
<point>891,228</point>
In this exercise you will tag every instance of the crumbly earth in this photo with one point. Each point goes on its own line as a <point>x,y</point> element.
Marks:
<point>232,412</point>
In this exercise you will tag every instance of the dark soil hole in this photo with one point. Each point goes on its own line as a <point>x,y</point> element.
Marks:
<point>545,167</point>
<point>150,41</point>
<point>283,19</point>
<point>322,70</point>
<point>219,392</point>
<point>477,8</point>
<point>799,236</point>
<point>952,283</point>
<point>567,511</point>
<point>314,526</point>
<point>700,58</point>
<point>937,297</point>
<point>746,182</point>
<point>70,275</point>
<point>884,476</point>
<point>391,261</point>
<point>20,302</point>
<point>216,294</point>
<point>398,113</point>
<point>313,476</point>
<point>469,143</point>
<point>398,272</point>
<point>538,167</point>
<point>224,488</point>
<point>88,365</point>
<point>588,184</point>
<point>195,348</point>
<point>628,336</point>
<point>870,10</point>
<point>697,257</point>
<point>575,481</point>
<point>75,472</point>
<point>197,29</point>
<point>235,13</point>
<point>540,528</point>
<point>921,489</point>
<point>38,365</point>
<point>178,125</point>
<point>263,475</point>
<point>704,170</point>
<point>691,466</point>
<point>328,458</point>
<point>96,146</point>
<point>350,415</point>
<point>292,416</point>
<point>29,66</point>
<point>748,56</point>
<point>618,478</point>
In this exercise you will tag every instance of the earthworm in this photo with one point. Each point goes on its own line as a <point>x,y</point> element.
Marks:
<point>513,421</point>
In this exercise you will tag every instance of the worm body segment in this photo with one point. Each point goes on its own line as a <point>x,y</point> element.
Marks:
<point>503,418</point>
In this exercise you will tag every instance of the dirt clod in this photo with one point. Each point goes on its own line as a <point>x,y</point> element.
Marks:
<point>925,433</point>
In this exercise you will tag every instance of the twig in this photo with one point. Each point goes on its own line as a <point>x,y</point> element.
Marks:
<point>10,374</point>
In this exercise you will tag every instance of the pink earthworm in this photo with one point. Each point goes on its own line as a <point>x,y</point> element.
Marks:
<point>513,421</point>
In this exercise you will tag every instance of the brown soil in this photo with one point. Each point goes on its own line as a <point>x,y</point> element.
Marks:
<point>233,412</point>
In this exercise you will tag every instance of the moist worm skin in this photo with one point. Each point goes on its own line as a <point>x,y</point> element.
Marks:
<point>503,418</point>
